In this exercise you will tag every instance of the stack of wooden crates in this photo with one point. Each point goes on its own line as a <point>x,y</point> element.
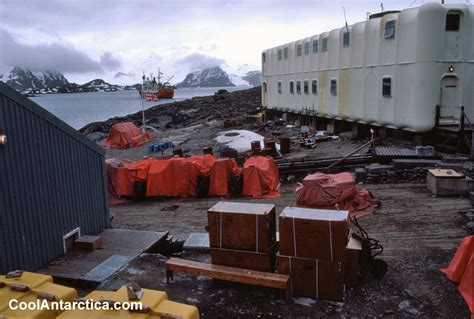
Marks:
<point>314,247</point>
<point>313,251</point>
<point>243,235</point>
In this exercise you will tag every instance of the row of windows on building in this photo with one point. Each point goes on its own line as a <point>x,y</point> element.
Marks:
<point>452,24</point>
<point>386,87</point>
<point>306,47</point>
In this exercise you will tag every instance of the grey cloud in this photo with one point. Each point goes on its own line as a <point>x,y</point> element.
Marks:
<point>109,62</point>
<point>52,57</point>
<point>198,61</point>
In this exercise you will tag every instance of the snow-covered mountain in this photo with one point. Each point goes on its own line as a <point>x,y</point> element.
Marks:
<point>26,80</point>
<point>245,74</point>
<point>210,77</point>
<point>254,78</point>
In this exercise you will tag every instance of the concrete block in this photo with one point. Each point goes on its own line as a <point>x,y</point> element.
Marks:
<point>89,243</point>
<point>425,151</point>
<point>449,186</point>
<point>197,242</point>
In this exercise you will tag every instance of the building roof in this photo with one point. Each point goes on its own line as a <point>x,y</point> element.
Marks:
<point>36,109</point>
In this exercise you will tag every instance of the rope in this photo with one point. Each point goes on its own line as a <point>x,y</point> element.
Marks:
<point>375,247</point>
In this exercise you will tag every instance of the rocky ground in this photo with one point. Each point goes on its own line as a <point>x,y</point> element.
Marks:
<point>420,233</point>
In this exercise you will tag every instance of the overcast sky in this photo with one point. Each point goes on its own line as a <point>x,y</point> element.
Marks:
<point>85,39</point>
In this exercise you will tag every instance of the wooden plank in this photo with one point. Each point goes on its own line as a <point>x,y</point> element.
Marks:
<point>244,276</point>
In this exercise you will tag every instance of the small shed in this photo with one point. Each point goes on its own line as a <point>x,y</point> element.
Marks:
<point>52,184</point>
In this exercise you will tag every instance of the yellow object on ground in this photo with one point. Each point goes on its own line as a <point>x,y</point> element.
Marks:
<point>37,289</point>
<point>31,289</point>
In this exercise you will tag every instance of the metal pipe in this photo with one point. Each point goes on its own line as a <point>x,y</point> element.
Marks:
<point>351,153</point>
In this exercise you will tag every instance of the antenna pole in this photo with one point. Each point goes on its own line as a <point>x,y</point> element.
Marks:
<point>143,96</point>
<point>345,18</point>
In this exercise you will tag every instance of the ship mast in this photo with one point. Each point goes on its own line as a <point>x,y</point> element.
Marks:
<point>144,126</point>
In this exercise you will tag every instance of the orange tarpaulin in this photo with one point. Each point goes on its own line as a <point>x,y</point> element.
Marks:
<point>199,165</point>
<point>176,176</point>
<point>220,174</point>
<point>123,174</point>
<point>125,135</point>
<point>330,191</point>
<point>261,178</point>
<point>114,165</point>
<point>461,270</point>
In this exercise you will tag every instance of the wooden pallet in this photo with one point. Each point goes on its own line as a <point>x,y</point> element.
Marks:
<point>243,276</point>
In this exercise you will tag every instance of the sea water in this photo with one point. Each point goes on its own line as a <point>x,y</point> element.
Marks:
<point>79,109</point>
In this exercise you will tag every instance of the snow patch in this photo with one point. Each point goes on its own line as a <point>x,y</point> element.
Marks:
<point>240,139</point>
<point>304,301</point>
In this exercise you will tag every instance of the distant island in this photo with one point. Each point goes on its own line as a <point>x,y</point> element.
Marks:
<point>31,83</point>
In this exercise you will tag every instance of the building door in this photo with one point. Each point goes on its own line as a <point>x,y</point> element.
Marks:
<point>449,101</point>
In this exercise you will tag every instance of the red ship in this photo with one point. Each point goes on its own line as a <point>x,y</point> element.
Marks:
<point>153,90</point>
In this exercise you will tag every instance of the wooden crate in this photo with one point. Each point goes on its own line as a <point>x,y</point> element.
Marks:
<point>353,260</point>
<point>242,226</point>
<point>313,278</point>
<point>244,259</point>
<point>313,233</point>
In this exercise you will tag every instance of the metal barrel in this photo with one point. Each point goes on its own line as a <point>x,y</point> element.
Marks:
<point>207,150</point>
<point>178,151</point>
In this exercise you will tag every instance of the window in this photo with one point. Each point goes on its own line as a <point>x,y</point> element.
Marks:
<point>298,50</point>
<point>298,87</point>
<point>279,54</point>
<point>263,57</point>
<point>346,37</point>
<point>452,21</point>
<point>306,48</point>
<point>306,87</point>
<point>292,87</point>
<point>389,29</point>
<point>314,87</point>
<point>315,46</point>
<point>279,87</point>
<point>264,87</point>
<point>285,53</point>
<point>324,45</point>
<point>333,87</point>
<point>387,87</point>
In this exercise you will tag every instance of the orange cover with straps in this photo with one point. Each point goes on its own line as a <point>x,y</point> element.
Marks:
<point>261,178</point>
<point>461,270</point>
<point>325,191</point>
<point>220,174</point>
<point>125,135</point>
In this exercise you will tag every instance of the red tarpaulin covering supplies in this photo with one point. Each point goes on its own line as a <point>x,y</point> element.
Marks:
<point>220,174</point>
<point>114,166</point>
<point>177,176</point>
<point>123,174</point>
<point>125,135</point>
<point>461,270</point>
<point>330,191</point>
<point>261,178</point>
